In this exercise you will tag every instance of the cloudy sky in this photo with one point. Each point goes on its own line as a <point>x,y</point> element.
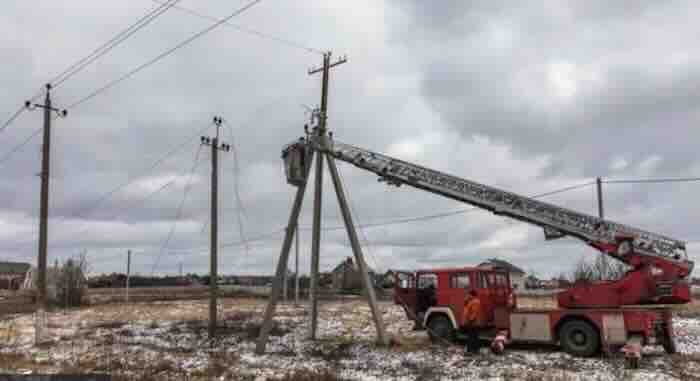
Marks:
<point>530,98</point>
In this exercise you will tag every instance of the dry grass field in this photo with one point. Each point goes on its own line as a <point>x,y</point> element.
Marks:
<point>168,340</point>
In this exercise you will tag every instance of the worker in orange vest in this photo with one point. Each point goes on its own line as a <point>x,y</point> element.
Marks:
<point>472,322</point>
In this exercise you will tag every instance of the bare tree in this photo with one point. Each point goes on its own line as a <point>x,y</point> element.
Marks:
<point>71,283</point>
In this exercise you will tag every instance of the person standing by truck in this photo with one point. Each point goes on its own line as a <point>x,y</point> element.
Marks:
<point>472,322</point>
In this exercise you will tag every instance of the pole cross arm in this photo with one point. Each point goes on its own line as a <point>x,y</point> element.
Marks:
<point>207,141</point>
<point>340,61</point>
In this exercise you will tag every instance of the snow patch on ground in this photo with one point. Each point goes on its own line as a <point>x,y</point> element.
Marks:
<point>128,341</point>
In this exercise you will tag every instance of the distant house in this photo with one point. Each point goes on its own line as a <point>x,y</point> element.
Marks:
<point>517,275</point>
<point>531,282</point>
<point>346,275</point>
<point>386,280</point>
<point>13,275</point>
<point>252,280</point>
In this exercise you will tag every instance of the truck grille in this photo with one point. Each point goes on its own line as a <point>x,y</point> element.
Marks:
<point>664,289</point>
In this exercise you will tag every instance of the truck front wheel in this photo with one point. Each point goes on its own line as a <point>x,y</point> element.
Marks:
<point>440,330</point>
<point>579,338</point>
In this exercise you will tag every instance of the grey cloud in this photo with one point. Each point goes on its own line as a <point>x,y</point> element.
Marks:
<point>415,68</point>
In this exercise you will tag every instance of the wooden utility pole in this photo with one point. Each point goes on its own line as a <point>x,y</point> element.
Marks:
<point>44,207</point>
<point>214,245</point>
<point>128,274</point>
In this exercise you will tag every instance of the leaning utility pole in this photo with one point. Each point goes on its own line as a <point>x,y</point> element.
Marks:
<point>285,286</point>
<point>296,269</point>
<point>319,145</point>
<point>214,245</point>
<point>44,207</point>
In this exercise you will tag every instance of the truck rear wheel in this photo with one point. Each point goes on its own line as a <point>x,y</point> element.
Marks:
<point>440,330</point>
<point>579,338</point>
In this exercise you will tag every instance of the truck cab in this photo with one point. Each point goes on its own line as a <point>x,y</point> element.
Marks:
<point>434,299</point>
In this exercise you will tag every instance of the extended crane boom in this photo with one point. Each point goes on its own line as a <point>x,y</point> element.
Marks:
<point>663,258</point>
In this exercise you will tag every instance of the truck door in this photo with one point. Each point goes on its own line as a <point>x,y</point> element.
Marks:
<point>485,292</point>
<point>501,290</point>
<point>405,292</point>
<point>459,285</point>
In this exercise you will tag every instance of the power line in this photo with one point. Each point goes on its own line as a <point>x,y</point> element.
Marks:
<point>144,199</point>
<point>399,220</point>
<point>648,181</point>
<point>20,146</point>
<point>362,231</point>
<point>97,53</point>
<point>452,213</point>
<point>84,211</point>
<point>131,179</point>
<point>136,203</point>
<point>112,43</point>
<point>162,55</point>
<point>13,118</point>
<point>283,41</point>
<point>236,181</point>
<point>261,237</point>
<point>179,210</point>
<point>565,189</point>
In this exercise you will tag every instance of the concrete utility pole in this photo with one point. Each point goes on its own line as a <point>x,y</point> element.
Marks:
<point>285,285</point>
<point>605,267</point>
<point>318,191</point>
<point>128,274</point>
<point>44,206</point>
<point>317,143</point>
<point>357,251</point>
<point>599,185</point>
<point>214,244</point>
<point>282,263</point>
<point>296,269</point>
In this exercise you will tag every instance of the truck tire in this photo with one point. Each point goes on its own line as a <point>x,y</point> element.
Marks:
<point>579,338</point>
<point>440,330</point>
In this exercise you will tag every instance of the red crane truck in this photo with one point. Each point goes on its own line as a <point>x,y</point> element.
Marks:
<point>630,312</point>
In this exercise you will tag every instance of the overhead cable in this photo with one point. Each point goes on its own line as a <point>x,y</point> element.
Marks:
<point>647,181</point>
<point>283,41</point>
<point>131,179</point>
<point>453,213</point>
<point>240,212</point>
<point>112,43</point>
<point>178,214</point>
<point>97,53</point>
<point>136,203</point>
<point>13,118</point>
<point>19,146</point>
<point>162,55</point>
